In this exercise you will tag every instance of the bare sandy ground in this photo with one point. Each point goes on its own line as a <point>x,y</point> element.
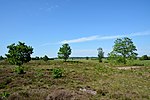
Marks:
<point>129,67</point>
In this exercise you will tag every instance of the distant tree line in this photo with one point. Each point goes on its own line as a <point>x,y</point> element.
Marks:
<point>45,58</point>
<point>145,57</point>
<point>123,50</point>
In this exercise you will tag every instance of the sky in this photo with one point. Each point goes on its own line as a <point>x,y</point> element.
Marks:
<point>85,25</point>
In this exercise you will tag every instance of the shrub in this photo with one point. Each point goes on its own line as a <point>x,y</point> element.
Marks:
<point>115,59</point>
<point>144,57</point>
<point>45,58</point>
<point>4,95</point>
<point>57,73</point>
<point>51,58</point>
<point>87,58</point>
<point>1,57</point>
<point>19,70</point>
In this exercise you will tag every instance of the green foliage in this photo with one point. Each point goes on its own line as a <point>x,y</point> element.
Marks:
<point>144,57</point>
<point>87,58</point>
<point>100,54</point>
<point>1,57</point>
<point>19,54</point>
<point>35,58</point>
<point>64,52</point>
<point>19,70</point>
<point>57,73</point>
<point>4,95</point>
<point>124,49</point>
<point>115,59</point>
<point>45,58</point>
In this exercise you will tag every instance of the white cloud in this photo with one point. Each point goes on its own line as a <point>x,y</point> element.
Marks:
<point>98,38</point>
<point>84,39</point>
<point>92,38</point>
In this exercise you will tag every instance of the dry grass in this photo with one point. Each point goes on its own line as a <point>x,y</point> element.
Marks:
<point>109,83</point>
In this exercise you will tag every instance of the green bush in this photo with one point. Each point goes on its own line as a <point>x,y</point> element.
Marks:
<point>57,73</point>
<point>144,57</point>
<point>4,95</point>
<point>45,58</point>
<point>116,60</point>
<point>19,70</point>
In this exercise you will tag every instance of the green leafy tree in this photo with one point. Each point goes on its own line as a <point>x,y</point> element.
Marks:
<point>45,58</point>
<point>19,54</point>
<point>35,58</point>
<point>64,52</point>
<point>87,58</point>
<point>124,49</point>
<point>1,57</point>
<point>144,57</point>
<point>114,58</point>
<point>100,54</point>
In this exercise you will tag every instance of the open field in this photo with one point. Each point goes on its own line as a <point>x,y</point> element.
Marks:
<point>82,80</point>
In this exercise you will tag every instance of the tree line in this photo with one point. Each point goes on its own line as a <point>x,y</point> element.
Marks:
<point>123,50</point>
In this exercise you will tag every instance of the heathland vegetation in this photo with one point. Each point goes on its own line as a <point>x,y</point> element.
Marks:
<point>122,75</point>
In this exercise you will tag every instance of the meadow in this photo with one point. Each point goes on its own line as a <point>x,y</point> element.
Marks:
<point>81,80</point>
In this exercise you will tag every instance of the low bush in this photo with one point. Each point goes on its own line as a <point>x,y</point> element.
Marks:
<point>57,73</point>
<point>4,95</point>
<point>19,70</point>
<point>144,57</point>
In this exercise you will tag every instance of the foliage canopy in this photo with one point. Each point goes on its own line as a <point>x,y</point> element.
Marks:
<point>123,49</point>
<point>64,52</point>
<point>45,58</point>
<point>100,54</point>
<point>19,54</point>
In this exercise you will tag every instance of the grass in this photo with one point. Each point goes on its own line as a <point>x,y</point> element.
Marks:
<point>109,82</point>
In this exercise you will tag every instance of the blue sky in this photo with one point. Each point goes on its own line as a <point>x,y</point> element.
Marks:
<point>85,24</point>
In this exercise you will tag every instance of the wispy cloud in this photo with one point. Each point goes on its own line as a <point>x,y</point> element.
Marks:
<point>84,39</point>
<point>96,37</point>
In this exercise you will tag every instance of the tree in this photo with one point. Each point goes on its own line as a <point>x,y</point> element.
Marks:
<point>124,49</point>
<point>1,57</point>
<point>35,58</point>
<point>19,54</point>
<point>45,58</point>
<point>64,52</point>
<point>87,58</point>
<point>100,54</point>
<point>144,57</point>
